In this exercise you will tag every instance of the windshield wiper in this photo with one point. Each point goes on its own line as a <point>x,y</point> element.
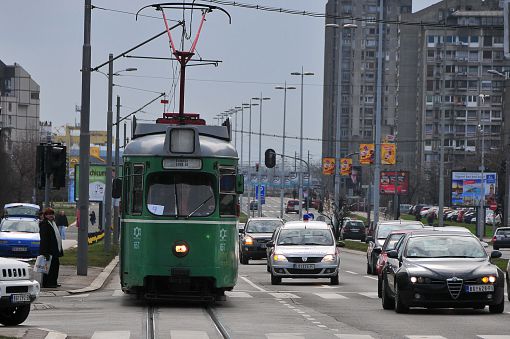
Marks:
<point>199,206</point>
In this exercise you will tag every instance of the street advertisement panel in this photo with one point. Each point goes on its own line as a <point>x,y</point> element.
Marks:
<point>328,166</point>
<point>467,188</point>
<point>97,181</point>
<point>354,181</point>
<point>388,180</point>
<point>388,154</point>
<point>366,154</point>
<point>345,166</point>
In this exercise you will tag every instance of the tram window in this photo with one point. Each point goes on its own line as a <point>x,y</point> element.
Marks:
<point>180,194</point>
<point>136,207</point>
<point>127,188</point>
<point>228,197</point>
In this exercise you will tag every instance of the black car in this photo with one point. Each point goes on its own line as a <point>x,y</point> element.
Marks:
<point>501,238</point>
<point>353,229</point>
<point>254,237</point>
<point>442,270</point>
<point>254,205</point>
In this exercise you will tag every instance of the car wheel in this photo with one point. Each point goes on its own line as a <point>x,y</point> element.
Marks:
<point>372,267</point>
<point>388,303</point>
<point>275,280</point>
<point>368,269</point>
<point>496,248</point>
<point>335,280</point>
<point>379,287</point>
<point>267,268</point>
<point>244,260</point>
<point>12,316</point>
<point>400,307</point>
<point>498,308</point>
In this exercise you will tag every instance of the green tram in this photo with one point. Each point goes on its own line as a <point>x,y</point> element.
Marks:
<point>180,207</point>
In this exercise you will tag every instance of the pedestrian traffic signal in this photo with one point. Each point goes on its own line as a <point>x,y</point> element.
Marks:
<point>270,158</point>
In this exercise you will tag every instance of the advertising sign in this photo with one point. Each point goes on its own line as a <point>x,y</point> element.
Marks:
<point>97,180</point>
<point>328,166</point>
<point>387,182</point>
<point>366,154</point>
<point>467,188</point>
<point>388,154</point>
<point>354,181</point>
<point>345,166</point>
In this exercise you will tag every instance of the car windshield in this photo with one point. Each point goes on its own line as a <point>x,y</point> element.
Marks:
<point>392,241</point>
<point>180,194</point>
<point>448,246</point>
<point>505,231</point>
<point>384,229</point>
<point>305,236</point>
<point>30,226</point>
<point>355,224</point>
<point>262,226</point>
<point>292,203</point>
<point>21,210</point>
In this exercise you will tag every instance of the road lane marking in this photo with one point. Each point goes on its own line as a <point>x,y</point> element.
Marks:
<point>353,336</point>
<point>175,334</point>
<point>351,272</point>
<point>253,284</point>
<point>84,295</point>
<point>284,295</point>
<point>369,277</point>
<point>235,294</point>
<point>331,296</point>
<point>371,295</point>
<point>425,337</point>
<point>502,336</point>
<point>110,335</point>
<point>55,335</point>
<point>285,336</point>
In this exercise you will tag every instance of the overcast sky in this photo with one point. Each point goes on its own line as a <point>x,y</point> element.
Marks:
<point>258,51</point>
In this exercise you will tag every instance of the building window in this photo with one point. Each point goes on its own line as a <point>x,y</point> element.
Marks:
<point>487,55</point>
<point>34,95</point>
<point>429,129</point>
<point>487,40</point>
<point>431,39</point>
<point>474,39</point>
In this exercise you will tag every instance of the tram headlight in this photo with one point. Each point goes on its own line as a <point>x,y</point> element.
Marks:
<point>180,249</point>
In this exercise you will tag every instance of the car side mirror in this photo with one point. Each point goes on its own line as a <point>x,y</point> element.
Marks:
<point>393,254</point>
<point>370,239</point>
<point>377,250</point>
<point>270,244</point>
<point>340,243</point>
<point>496,254</point>
<point>241,231</point>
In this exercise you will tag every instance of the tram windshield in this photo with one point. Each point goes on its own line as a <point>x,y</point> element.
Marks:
<point>181,194</point>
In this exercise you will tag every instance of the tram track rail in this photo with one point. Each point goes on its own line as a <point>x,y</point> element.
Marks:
<point>151,322</point>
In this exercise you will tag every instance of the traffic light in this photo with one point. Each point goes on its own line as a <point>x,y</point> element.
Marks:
<point>256,167</point>
<point>270,158</point>
<point>59,165</point>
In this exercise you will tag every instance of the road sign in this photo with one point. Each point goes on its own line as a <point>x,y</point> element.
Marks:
<point>262,193</point>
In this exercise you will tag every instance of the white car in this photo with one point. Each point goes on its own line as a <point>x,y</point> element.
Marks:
<point>17,291</point>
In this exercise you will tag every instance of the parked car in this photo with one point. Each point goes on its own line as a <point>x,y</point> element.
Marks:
<point>292,206</point>
<point>254,205</point>
<point>501,238</point>
<point>17,291</point>
<point>304,250</point>
<point>442,270</point>
<point>404,208</point>
<point>254,237</point>
<point>19,237</point>
<point>20,209</point>
<point>382,229</point>
<point>353,229</point>
<point>491,217</point>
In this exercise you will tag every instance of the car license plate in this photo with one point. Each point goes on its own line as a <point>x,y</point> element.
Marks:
<point>19,249</point>
<point>354,231</point>
<point>304,266</point>
<point>262,245</point>
<point>479,288</point>
<point>20,298</point>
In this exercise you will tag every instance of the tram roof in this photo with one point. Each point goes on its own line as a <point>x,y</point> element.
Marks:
<point>149,139</point>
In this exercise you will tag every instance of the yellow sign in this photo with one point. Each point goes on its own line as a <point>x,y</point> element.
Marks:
<point>95,153</point>
<point>345,166</point>
<point>388,154</point>
<point>328,166</point>
<point>366,154</point>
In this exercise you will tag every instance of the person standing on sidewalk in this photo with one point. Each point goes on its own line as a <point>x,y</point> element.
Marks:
<point>51,245</point>
<point>62,223</point>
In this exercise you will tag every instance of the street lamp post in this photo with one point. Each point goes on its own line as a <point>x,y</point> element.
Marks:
<point>282,179</point>
<point>481,213</point>
<point>259,200</point>
<point>249,157</point>
<point>302,74</point>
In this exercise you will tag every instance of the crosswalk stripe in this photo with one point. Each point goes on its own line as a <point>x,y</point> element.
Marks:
<point>353,336</point>
<point>285,336</point>
<point>331,296</point>
<point>284,295</point>
<point>110,335</point>
<point>55,335</point>
<point>425,337</point>
<point>235,294</point>
<point>503,336</point>
<point>372,295</point>
<point>118,293</point>
<point>176,334</point>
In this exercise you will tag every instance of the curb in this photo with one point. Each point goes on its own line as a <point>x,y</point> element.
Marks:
<point>100,279</point>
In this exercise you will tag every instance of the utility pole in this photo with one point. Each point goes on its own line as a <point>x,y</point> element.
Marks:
<point>108,186</point>
<point>117,175</point>
<point>83,199</point>
<point>441,146</point>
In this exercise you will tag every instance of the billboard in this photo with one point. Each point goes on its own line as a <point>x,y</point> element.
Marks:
<point>354,181</point>
<point>328,166</point>
<point>387,182</point>
<point>366,154</point>
<point>388,154</point>
<point>97,181</point>
<point>467,188</point>
<point>345,166</point>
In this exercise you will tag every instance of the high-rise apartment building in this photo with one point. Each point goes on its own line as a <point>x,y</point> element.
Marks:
<point>19,102</point>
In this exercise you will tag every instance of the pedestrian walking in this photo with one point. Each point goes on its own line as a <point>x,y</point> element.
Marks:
<point>50,247</point>
<point>92,216</point>
<point>62,223</point>
<point>430,217</point>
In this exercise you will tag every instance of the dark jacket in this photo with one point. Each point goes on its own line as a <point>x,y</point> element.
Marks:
<point>61,220</point>
<point>49,244</point>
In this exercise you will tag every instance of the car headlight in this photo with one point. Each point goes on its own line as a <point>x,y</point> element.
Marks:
<point>489,279</point>
<point>329,258</point>
<point>248,240</point>
<point>279,257</point>
<point>419,280</point>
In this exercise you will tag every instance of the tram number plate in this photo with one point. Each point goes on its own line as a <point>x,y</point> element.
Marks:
<point>20,298</point>
<point>479,288</point>
<point>305,266</point>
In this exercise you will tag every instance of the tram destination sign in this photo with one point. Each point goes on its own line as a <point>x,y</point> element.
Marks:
<point>182,163</point>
